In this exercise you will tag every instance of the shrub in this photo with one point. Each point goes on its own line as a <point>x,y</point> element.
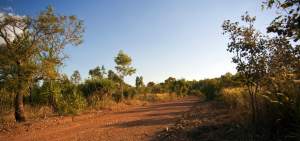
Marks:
<point>64,97</point>
<point>96,89</point>
<point>130,93</point>
<point>72,100</point>
<point>210,88</point>
<point>195,92</point>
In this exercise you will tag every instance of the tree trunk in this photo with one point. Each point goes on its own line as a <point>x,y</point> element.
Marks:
<point>30,96</point>
<point>122,93</point>
<point>19,108</point>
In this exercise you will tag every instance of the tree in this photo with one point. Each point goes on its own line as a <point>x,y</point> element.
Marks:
<point>33,50</point>
<point>249,47</point>
<point>180,87</point>
<point>210,88</point>
<point>114,77</point>
<point>150,86</point>
<point>75,78</point>
<point>139,85</point>
<point>169,84</point>
<point>123,67</point>
<point>288,21</point>
<point>286,24</point>
<point>97,73</point>
<point>139,82</point>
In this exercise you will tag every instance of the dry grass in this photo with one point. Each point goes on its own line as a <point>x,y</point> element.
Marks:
<point>159,97</point>
<point>234,97</point>
<point>41,112</point>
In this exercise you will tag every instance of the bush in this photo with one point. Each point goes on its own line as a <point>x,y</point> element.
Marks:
<point>280,112</point>
<point>96,89</point>
<point>210,88</point>
<point>64,97</point>
<point>72,100</point>
<point>195,92</point>
<point>130,93</point>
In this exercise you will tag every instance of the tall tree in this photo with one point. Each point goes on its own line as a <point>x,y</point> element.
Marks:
<point>123,67</point>
<point>249,47</point>
<point>75,77</point>
<point>139,82</point>
<point>33,50</point>
<point>96,73</point>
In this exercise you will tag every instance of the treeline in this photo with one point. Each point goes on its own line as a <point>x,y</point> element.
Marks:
<point>70,95</point>
<point>209,88</point>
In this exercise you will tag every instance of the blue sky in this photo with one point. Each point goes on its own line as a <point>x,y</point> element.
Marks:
<point>179,38</point>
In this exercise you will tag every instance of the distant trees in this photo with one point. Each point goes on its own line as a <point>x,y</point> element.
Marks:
<point>75,77</point>
<point>139,82</point>
<point>114,77</point>
<point>33,50</point>
<point>169,84</point>
<point>181,87</point>
<point>97,73</point>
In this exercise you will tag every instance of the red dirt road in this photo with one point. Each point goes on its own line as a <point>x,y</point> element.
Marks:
<point>134,124</point>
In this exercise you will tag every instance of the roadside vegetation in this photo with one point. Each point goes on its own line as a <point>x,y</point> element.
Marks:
<point>263,96</point>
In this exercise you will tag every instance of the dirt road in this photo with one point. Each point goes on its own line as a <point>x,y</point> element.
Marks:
<point>134,124</point>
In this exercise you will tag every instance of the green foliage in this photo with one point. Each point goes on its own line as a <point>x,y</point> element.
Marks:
<point>114,77</point>
<point>288,21</point>
<point>139,82</point>
<point>251,56</point>
<point>269,68</point>
<point>96,89</point>
<point>168,84</point>
<point>63,96</point>
<point>39,95</point>
<point>230,80</point>
<point>75,77</point>
<point>71,100</point>
<point>210,88</point>
<point>36,51</point>
<point>97,73</point>
<point>180,87</point>
<point>130,92</point>
<point>123,62</point>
